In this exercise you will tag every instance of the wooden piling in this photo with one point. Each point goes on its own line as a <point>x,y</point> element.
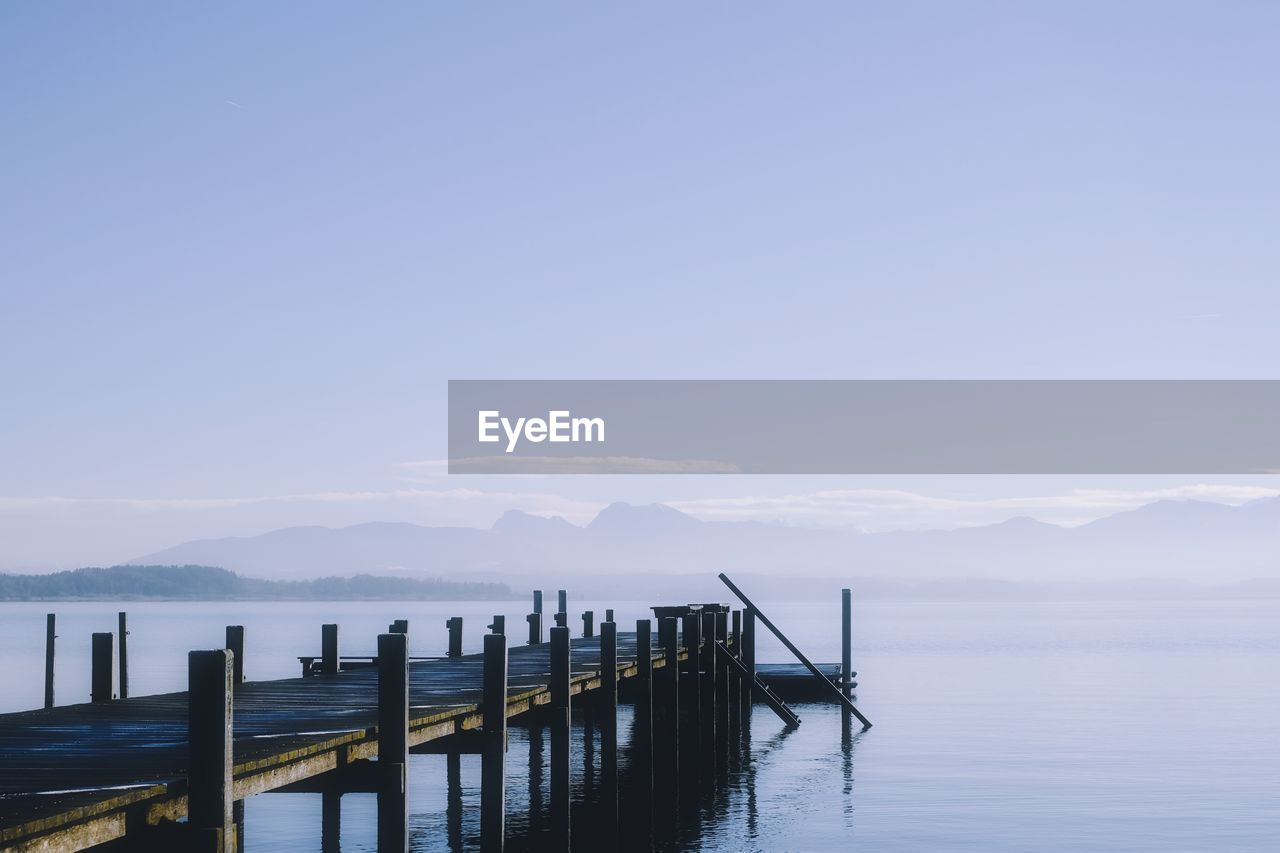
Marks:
<point>562,601</point>
<point>329,649</point>
<point>642,726</point>
<point>558,722</point>
<point>608,614</point>
<point>393,741</point>
<point>537,601</point>
<point>454,624</point>
<point>493,756</point>
<point>588,623</point>
<point>721,689</point>
<point>50,637</point>
<point>691,718</point>
<point>102,687</point>
<point>331,820</point>
<point>399,626</point>
<point>209,792</point>
<point>846,641</point>
<point>748,659</point>
<point>453,800</point>
<point>535,628</point>
<point>710,711</point>
<point>499,624</point>
<point>562,619</point>
<point>123,633</point>
<point>608,706</point>
<point>235,645</point>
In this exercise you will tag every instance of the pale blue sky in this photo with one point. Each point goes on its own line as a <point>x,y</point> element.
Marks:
<point>245,246</point>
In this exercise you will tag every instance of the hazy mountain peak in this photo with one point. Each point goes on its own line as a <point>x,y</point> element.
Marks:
<point>622,516</point>
<point>514,520</point>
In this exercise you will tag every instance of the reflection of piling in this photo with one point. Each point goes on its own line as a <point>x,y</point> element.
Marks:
<point>558,722</point>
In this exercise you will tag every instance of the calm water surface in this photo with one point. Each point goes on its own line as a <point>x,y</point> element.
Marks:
<point>999,727</point>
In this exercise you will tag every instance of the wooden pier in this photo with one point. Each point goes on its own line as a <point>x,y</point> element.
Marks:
<point>132,770</point>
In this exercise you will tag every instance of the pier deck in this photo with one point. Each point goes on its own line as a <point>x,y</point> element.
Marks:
<point>79,775</point>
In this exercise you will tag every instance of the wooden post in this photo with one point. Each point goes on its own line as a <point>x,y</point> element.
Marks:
<point>329,649</point>
<point>454,624</point>
<point>749,659</point>
<point>537,601</point>
<point>399,626</point>
<point>588,623</point>
<point>609,733</point>
<point>562,601</point>
<point>393,740</point>
<point>562,619</point>
<point>209,793</point>
<point>104,668</point>
<point>331,820</point>
<point>691,720</point>
<point>453,800</point>
<point>710,695</point>
<point>735,677</point>
<point>50,636</point>
<point>642,728</point>
<point>558,722</point>
<point>123,633</point>
<point>721,689</point>
<point>667,712</point>
<point>499,624</point>
<point>494,755</point>
<point>235,645</point>
<point>608,614</point>
<point>535,628</point>
<point>846,641</point>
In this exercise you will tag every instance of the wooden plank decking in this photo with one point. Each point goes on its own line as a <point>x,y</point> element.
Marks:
<point>81,773</point>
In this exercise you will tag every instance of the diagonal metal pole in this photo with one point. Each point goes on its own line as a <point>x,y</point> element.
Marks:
<point>817,673</point>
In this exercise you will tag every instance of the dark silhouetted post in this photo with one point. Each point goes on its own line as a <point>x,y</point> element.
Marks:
<point>50,637</point>
<point>537,601</point>
<point>235,645</point>
<point>710,707</point>
<point>609,732</point>
<point>558,722</point>
<point>329,649</point>
<point>535,628</point>
<point>562,601</point>
<point>399,626</point>
<point>721,689</point>
<point>499,624</point>
<point>209,814</point>
<point>102,687</point>
<point>393,741</point>
<point>123,633</point>
<point>667,713</point>
<point>562,619</point>
<point>454,624</point>
<point>749,658</point>
<point>642,727</point>
<point>494,755</point>
<point>846,641</point>
<point>331,821</point>
<point>588,623</point>
<point>735,677</point>
<point>453,800</point>
<point>608,614</point>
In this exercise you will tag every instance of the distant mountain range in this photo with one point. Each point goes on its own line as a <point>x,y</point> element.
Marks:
<point>1169,540</point>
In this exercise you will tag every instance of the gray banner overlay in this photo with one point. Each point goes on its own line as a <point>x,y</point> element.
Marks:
<point>863,427</point>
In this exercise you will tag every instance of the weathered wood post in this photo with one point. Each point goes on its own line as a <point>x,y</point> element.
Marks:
<point>609,733</point>
<point>209,793</point>
<point>453,799</point>
<point>536,759</point>
<point>331,820</point>
<point>123,633</point>
<point>722,692</point>
<point>588,623</point>
<point>537,601</point>
<point>50,636</point>
<point>608,614</point>
<point>494,754</point>
<point>454,624</point>
<point>735,679</point>
<point>535,628</point>
<point>558,722</point>
<point>667,712</point>
<point>749,659</point>
<point>499,624</point>
<point>235,645</point>
<point>562,619</point>
<point>393,741</point>
<point>846,641</point>
<point>710,695</point>
<point>642,728</point>
<point>329,649</point>
<point>562,601</point>
<point>398,626</point>
<point>102,682</point>
<point>691,720</point>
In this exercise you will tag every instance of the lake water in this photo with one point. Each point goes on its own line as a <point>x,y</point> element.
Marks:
<point>999,727</point>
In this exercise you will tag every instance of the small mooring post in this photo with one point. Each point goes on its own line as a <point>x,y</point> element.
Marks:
<point>722,692</point>
<point>499,624</point>
<point>710,711</point>
<point>393,741</point>
<point>562,601</point>
<point>235,645</point>
<point>209,793</point>
<point>494,755</point>
<point>329,649</point>
<point>588,623</point>
<point>846,641</point>
<point>331,820</point>
<point>398,626</point>
<point>735,677</point>
<point>102,687</point>
<point>609,733</point>
<point>537,601</point>
<point>535,628</point>
<point>558,722</point>
<point>50,636</point>
<point>454,624</point>
<point>748,659</point>
<point>123,633</point>
<point>562,619</point>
